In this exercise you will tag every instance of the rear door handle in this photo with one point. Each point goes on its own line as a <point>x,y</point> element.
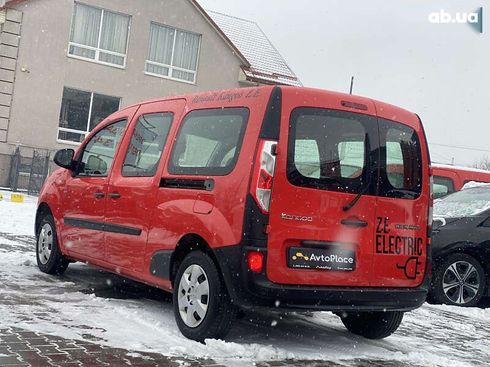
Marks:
<point>114,195</point>
<point>99,195</point>
<point>354,222</point>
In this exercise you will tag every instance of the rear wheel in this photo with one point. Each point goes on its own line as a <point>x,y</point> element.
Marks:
<point>459,280</point>
<point>49,258</point>
<point>372,325</point>
<point>202,306</point>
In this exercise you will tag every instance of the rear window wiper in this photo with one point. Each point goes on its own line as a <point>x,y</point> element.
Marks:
<point>358,196</point>
<point>368,183</point>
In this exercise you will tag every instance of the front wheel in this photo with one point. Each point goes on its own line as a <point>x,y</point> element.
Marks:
<point>202,306</point>
<point>49,258</point>
<point>372,325</point>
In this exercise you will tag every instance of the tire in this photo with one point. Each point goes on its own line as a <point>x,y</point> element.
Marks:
<point>49,258</point>
<point>458,280</point>
<point>202,306</point>
<point>373,325</point>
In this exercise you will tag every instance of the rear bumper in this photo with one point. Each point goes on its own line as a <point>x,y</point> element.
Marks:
<point>251,290</point>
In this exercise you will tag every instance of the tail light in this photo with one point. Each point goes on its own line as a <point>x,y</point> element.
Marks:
<point>430,213</point>
<point>261,188</point>
<point>255,261</point>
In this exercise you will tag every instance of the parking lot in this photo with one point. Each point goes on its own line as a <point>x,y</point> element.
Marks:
<point>90,317</point>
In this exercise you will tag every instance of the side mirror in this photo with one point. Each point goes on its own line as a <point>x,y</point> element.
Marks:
<point>64,158</point>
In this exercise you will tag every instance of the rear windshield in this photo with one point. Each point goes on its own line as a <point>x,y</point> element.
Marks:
<point>329,149</point>
<point>338,151</point>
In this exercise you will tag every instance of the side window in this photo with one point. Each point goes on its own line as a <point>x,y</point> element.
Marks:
<point>328,149</point>
<point>147,143</point>
<point>442,186</point>
<point>209,142</point>
<point>401,173</point>
<point>98,153</point>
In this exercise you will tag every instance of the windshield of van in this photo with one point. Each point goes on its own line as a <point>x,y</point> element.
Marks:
<point>463,203</point>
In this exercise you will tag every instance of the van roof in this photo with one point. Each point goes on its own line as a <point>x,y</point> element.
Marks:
<point>383,110</point>
<point>459,168</point>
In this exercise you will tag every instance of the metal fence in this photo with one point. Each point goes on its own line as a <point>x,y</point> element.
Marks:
<point>28,173</point>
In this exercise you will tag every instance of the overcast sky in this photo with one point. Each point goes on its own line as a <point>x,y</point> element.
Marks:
<point>440,71</point>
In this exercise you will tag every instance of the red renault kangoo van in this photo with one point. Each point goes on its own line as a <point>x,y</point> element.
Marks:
<point>275,197</point>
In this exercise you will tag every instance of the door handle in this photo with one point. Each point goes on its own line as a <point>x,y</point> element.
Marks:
<point>99,195</point>
<point>114,195</point>
<point>354,222</point>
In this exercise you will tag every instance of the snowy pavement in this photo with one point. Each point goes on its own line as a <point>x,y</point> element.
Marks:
<point>90,306</point>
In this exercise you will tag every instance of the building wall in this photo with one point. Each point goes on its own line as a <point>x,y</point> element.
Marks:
<point>34,66</point>
<point>43,67</point>
<point>9,47</point>
<point>10,29</point>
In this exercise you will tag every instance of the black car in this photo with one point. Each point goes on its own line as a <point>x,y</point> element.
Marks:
<point>461,247</point>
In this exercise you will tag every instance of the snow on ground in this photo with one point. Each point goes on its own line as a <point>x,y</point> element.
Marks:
<point>93,305</point>
<point>17,218</point>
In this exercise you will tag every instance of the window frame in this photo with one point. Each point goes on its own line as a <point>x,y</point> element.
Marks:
<point>70,142</point>
<point>76,171</point>
<point>171,67</point>
<point>97,49</point>
<point>173,169</point>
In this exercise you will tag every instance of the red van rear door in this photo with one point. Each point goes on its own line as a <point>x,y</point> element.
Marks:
<point>325,156</point>
<point>402,208</point>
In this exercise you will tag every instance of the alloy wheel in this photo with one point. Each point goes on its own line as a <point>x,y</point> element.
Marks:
<point>461,282</point>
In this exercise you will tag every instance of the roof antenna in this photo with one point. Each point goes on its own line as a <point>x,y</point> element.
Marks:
<point>351,84</point>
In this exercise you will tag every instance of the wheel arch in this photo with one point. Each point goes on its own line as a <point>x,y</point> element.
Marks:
<point>42,210</point>
<point>468,248</point>
<point>186,244</point>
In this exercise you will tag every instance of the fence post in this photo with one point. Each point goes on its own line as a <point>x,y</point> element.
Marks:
<point>31,186</point>
<point>14,170</point>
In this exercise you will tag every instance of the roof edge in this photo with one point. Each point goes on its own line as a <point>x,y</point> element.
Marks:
<point>4,3</point>
<point>230,44</point>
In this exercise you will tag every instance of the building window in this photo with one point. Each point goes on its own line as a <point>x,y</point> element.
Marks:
<point>99,35</point>
<point>82,111</point>
<point>173,53</point>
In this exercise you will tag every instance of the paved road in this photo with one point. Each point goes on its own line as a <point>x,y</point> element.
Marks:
<point>451,337</point>
<point>23,348</point>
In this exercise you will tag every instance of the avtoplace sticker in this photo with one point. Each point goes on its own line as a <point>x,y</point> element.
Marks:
<point>332,258</point>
